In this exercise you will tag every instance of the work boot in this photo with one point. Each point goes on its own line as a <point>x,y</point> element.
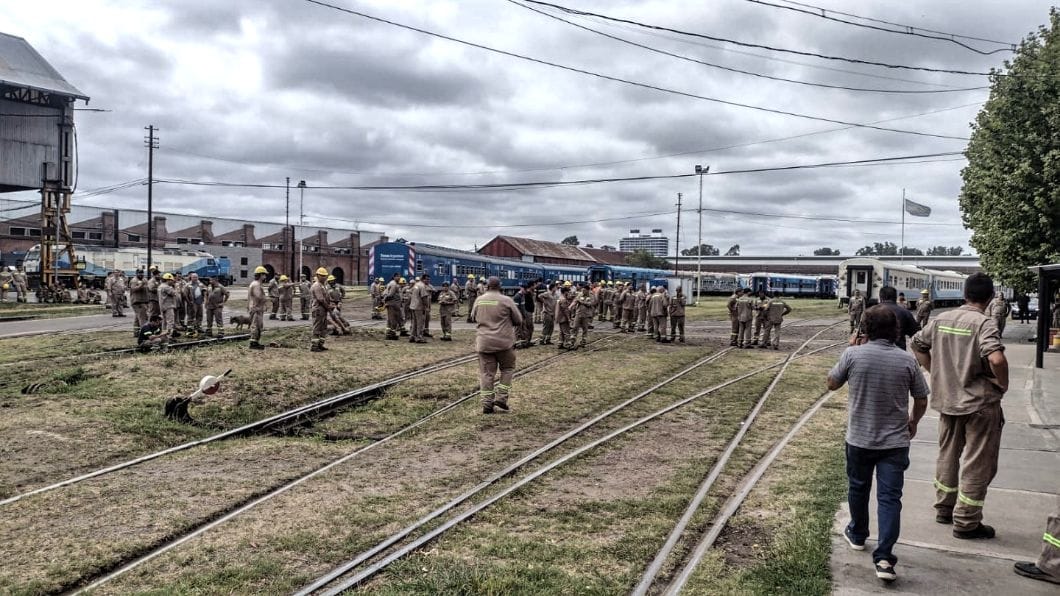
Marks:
<point>426,334</point>
<point>404,333</point>
<point>317,348</point>
<point>1029,569</point>
<point>272,317</point>
<point>944,518</point>
<point>220,335</point>
<point>256,346</point>
<point>487,409</point>
<point>981,532</point>
<point>682,340</point>
<point>447,338</point>
<point>501,405</point>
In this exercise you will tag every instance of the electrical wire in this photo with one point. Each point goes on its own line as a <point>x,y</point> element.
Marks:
<point>627,81</point>
<point>745,72</point>
<point>908,27</point>
<point>555,183</point>
<point>755,45</point>
<point>909,30</point>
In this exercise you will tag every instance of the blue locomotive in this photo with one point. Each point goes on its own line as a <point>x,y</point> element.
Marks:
<point>443,264</point>
<point>97,261</point>
<point>616,273</point>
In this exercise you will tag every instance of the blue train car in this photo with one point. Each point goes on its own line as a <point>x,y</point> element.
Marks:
<point>784,284</point>
<point>827,286</point>
<point>443,264</point>
<point>98,261</point>
<point>616,273</point>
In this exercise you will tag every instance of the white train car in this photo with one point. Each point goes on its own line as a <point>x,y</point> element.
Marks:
<point>869,275</point>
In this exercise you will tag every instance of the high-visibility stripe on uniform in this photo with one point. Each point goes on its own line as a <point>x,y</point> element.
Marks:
<point>955,330</point>
<point>487,392</point>
<point>1053,540</point>
<point>963,498</point>
<point>944,488</point>
<point>503,387</point>
<point>488,302</point>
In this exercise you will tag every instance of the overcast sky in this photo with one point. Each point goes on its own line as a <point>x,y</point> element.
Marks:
<point>255,91</point>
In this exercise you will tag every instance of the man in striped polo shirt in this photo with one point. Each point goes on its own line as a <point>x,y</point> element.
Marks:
<point>879,427</point>
<point>962,350</point>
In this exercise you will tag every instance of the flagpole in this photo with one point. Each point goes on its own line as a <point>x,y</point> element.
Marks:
<point>901,247</point>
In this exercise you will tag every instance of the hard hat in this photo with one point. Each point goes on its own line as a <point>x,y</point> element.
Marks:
<point>260,269</point>
<point>167,276</point>
<point>283,278</point>
<point>401,280</point>
<point>331,278</point>
<point>566,284</point>
<point>5,286</point>
<point>471,276</point>
<point>610,283</point>
<point>925,291</point>
<point>322,271</point>
<point>379,279</point>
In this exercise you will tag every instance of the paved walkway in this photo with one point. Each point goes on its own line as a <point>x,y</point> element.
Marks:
<point>930,560</point>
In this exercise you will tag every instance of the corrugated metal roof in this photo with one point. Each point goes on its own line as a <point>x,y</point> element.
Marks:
<point>22,66</point>
<point>543,248</point>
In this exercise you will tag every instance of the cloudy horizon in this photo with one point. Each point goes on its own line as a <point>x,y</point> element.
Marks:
<point>253,92</point>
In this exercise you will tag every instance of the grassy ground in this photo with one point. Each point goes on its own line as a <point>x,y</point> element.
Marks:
<point>35,310</point>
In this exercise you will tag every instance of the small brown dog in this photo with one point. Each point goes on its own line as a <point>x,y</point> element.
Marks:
<point>239,321</point>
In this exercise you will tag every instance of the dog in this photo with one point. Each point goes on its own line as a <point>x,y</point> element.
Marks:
<point>240,321</point>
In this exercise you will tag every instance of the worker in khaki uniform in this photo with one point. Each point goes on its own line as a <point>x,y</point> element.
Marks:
<point>923,308</point>
<point>194,299</point>
<point>773,313</point>
<point>471,291</point>
<point>21,285</point>
<point>320,298</point>
<point>216,296</point>
<point>999,310</point>
<point>561,313</point>
<point>182,312</point>
<point>406,301</point>
<point>618,296</point>
<point>546,301</point>
<point>420,304</point>
<point>745,317</point>
<point>641,306</point>
<point>392,303</point>
<point>1048,566</point>
<point>629,309</point>
<point>117,295</point>
<point>733,319</point>
<point>761,302</point>
<point>497,318</point>
<point>336,293</point>
<point>273,292</point>
<point>603,301</point>
<point>855,309</point>
<point>256,302</point>
<point>138,296</point>
<point>962,350</point>
<point>376,292</point>
<point>302,291</point>
<point>447,305</point>
<point>167,301</point>
<point>677,315</point>
<point>658,305</point>
<point>584,307</point>
<point>285,294</point>
<point>153,282</point>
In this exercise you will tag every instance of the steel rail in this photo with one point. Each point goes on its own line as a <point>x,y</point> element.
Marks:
<point>736,500</point>
<point>298,481</point>
<point>467,514</point>
<point>493,479</point>
<point>247,428</point>
<point>650,574</point>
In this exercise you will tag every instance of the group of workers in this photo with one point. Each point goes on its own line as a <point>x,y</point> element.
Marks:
<point>756,320</point>
<point>13,280</point>
<point>168,305</point>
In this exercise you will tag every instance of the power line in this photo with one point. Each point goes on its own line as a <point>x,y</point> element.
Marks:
<point>908,30</point>
<point>558,183</point>
<point>739,71</point>
<point>754,45</point>
<point>908,27</point>
<point>629,82</point>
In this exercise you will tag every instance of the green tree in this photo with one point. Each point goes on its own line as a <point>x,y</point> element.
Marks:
<point>909,250</point>
<point>734,251</point>
<point>570,241</point>
<point>943,251</point>
<point>643,258</point>
<point>707,251</point>
<point>1011,193</point>
<point>825,252</point>
<point>878,249</point>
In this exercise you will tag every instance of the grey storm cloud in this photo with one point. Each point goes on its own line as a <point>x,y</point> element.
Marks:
<point>250,91</point>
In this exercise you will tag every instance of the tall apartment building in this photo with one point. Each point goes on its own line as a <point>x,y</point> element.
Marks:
<point>655,242</point>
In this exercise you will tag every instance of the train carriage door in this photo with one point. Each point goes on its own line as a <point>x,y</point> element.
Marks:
<point>859,278</point>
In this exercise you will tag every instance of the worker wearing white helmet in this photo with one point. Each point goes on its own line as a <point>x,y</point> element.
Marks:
<point>322,306</point>
<point>256,301</point>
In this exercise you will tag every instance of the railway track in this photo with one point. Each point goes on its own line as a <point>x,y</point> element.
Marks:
<point>347,575</point>
<point>87,584</point>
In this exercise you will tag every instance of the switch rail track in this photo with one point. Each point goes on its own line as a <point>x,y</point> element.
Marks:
<point>338,579</point>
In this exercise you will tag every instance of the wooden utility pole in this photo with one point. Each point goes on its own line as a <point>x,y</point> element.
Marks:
<point>152,143</point>
<point>677,243</point>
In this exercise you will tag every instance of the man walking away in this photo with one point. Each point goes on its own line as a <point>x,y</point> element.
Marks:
<point>497,318</point>
<point>1048,567</point>
<point>962,351</point>
<point>924,307</point>
<point>856,308</point>
<point>879,429</point>
<point>677,315</point>
<point>999,310</point>
<point>256,301</point>
<point>447,304</point>
<point>906,321</point>
<point>773,312</point>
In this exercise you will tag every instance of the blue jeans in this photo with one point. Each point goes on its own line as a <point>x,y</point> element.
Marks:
<point>890,466</point>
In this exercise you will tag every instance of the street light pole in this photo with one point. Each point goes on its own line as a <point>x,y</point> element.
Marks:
<point>301,223</point>
<point>700,170</point>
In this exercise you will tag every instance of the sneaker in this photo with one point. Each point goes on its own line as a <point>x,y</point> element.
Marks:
<point>1029,569</point>
<point>981,532</point>
<point>885,571</point>
<point>850,540</point>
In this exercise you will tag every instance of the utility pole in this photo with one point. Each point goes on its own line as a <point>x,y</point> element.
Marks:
<point>677,243</point>
<point>288,237</point>
<point>301,224</point>
<point>152,143</point>
<point>901,245</point>
<point>699,247</point>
